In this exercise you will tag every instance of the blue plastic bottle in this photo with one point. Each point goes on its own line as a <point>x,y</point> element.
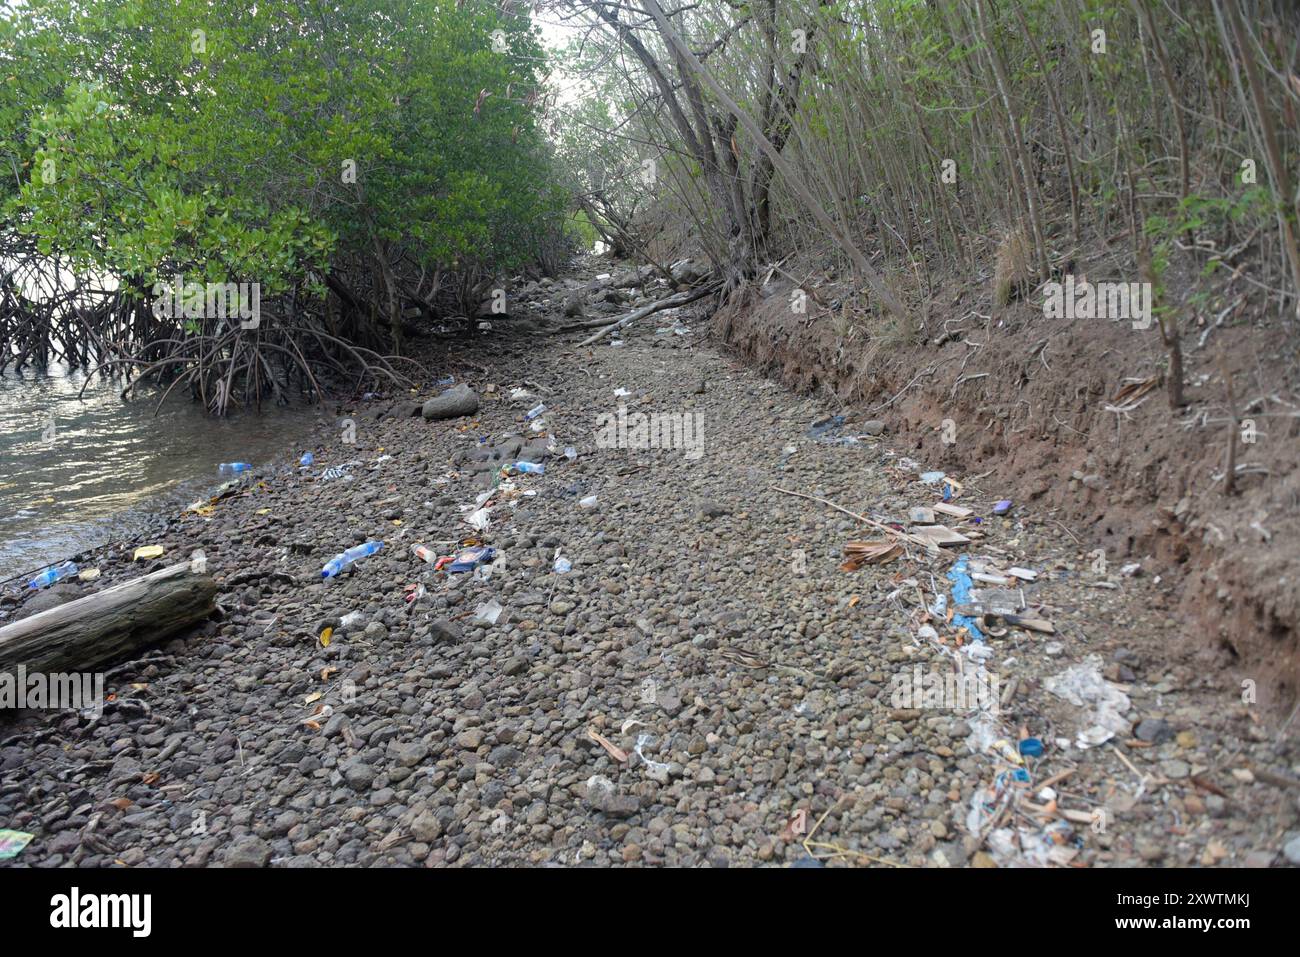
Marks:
<point>339,562</point>
<point>233,468</point>
<point>52,574</point>
<point>530,468</point>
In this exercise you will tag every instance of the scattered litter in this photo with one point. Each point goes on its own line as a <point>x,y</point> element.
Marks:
<point>530,468</point>
<point>413,593</point>
<point>1024,574</point>
<point>932,478</point>
<point>1002,507</point>
<point>645,740</point>
<point>306,460</point>
<point>570,453</point>
<point>1031,747</point>
<point>961,586</point>
<point>88,574</point>
<point>562,565</point>
<point>621,392</point>
<point>488,612</point>
<point>615,752</point>
<point>479,519</point>
<point>147,552</point>
<point>824,427</point>
<point>535,411</point>
<point>233,468</point>
<point>338,471</point>
<point>13,842</point>
<point>471,558</point>
<point>921,515</point>
<point>424,553</point>
<point>940,535</point>
<point>53,574</point>
<point>1083,686</point>
<point>956,511</point>
<point>857,554</point>
<point>588,502</point>
<point>338,563</point>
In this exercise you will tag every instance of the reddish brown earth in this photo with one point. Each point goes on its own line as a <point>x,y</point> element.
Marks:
<point>1028,398</point>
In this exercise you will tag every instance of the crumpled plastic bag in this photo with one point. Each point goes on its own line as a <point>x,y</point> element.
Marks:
<point>1083,686</point>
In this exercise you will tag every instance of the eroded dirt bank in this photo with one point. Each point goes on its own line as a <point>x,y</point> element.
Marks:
<point>1064,416</point>
<point>704,684</point>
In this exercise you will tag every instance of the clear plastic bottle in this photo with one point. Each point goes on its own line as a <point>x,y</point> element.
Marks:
<point>52,574</point>
<point>339,562</point>
<point>233,468</point>
<point>530,468</point>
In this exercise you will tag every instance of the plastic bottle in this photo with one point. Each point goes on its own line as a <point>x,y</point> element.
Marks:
<point>535,411</point>
<point>339,562</point>
<point>233,468</point>
<point>530,468</point>
<point>425,553</point>
<point>52,574</point>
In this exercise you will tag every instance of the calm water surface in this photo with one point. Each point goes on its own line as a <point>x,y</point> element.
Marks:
<point>107,464</point>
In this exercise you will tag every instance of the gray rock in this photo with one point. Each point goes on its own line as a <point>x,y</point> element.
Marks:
<point>250,852</point>
<point>457,401</point>
<point>1292,851</point>
<point>444,630</point>
<point>1154,730</point>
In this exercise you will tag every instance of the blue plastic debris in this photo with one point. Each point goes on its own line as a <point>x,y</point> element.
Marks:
<point>1031,748</point>
<point>307,459</point>
<point>1002,507</point>
<point>961,586</point>
<point>472,558</point>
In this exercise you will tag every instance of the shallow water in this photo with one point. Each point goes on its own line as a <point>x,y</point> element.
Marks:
<point>76,473</point>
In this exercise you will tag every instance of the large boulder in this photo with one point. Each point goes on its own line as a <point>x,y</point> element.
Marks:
<point>452,404</point>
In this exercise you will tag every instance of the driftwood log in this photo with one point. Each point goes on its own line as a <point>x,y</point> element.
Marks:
<point>109,624</point>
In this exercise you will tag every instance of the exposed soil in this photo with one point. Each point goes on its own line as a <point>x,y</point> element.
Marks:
<point>1028,400</point>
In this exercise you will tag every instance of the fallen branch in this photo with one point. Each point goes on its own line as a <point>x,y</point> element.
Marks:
<point>671,302</point>
<point>914,539</point>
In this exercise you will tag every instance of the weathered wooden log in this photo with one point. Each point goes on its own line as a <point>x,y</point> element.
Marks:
<point>110,624</point>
